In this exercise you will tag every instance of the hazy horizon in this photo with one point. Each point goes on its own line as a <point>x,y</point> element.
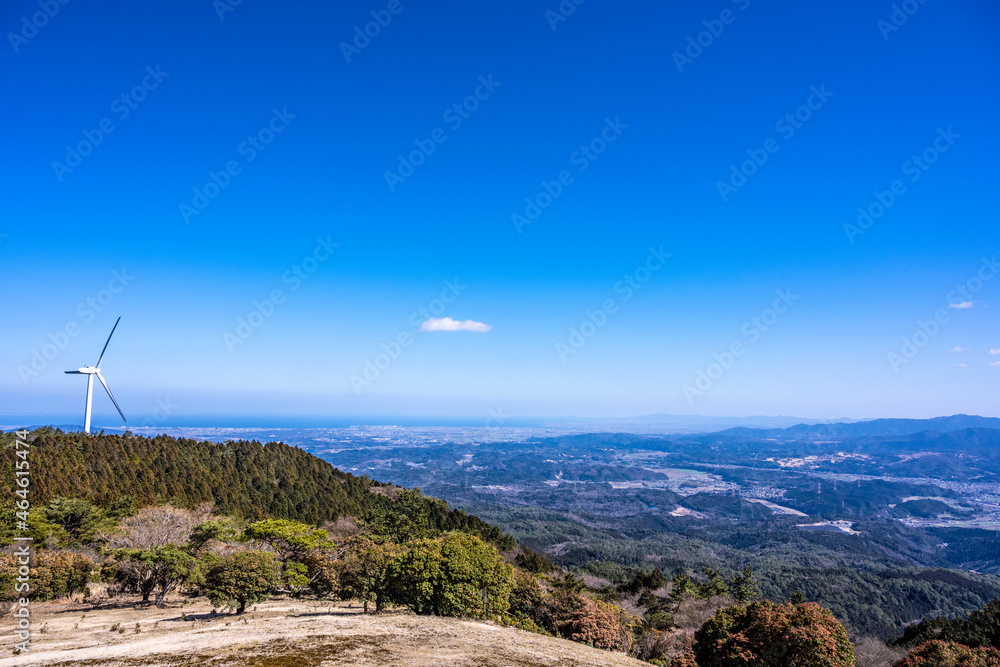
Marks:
<point>494,420</point>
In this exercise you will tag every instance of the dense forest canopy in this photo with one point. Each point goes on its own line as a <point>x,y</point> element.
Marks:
<point>249,480</point>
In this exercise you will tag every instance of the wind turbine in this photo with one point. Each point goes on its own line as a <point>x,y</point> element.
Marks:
<point>90,372</point>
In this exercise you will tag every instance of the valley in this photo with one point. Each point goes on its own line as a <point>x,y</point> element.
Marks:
<point>835,517</point>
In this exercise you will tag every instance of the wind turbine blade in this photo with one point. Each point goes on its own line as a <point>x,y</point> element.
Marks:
<point>73,373</point>
<point>106,348</point>
<point>108,389</point>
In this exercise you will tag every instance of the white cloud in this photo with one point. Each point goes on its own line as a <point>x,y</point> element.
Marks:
<point>995,350</point>
<point>961,365</point>
<point>958,349</point>
<point>448,324</point>
<point>995,363</point>
<point>964,304</point>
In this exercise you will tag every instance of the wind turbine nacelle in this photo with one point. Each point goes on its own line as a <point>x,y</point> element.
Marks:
<point>87,370</point>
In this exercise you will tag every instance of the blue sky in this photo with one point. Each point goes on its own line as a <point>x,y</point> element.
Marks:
<point>641,137</point>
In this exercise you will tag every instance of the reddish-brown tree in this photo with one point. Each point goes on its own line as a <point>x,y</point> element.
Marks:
<point>765,634</point>
<point>949,654</point>
<point>581,619</point>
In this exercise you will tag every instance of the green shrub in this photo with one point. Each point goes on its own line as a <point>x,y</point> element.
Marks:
<point>54,574</point>
<point>290,539</point>
<point>244,578</point>
<point>59,574</point>
<point>643,580</point>
<point>526,597</point>
<point>80,519</point>
<point>532,561</point>
<point>322,571</point>
<point>364,573</point>
<point>456,574</point>
<point>223,529</point>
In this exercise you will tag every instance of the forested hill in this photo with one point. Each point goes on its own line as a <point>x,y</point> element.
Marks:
<point>245,479</point>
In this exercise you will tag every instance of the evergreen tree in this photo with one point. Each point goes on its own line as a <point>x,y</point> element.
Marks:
<point>242,579</point>
<point>744,586</point>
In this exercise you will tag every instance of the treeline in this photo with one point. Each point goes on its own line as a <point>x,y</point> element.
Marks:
<point>393,557</point>
<point>241,521</point>
<point>867,580</point>
<point>972,549</point>
<point>248,480</point>
<point>878,601</point>
<point>973,641</point>
<point>980,628</point>
<point>387,558</point>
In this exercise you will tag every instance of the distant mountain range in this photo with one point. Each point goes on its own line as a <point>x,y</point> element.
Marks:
<point>874,427</point>
<point>759,421</point>
<point>681,424</point>
<point>759,426</point>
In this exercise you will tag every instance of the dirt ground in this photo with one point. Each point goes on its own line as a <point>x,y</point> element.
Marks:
<point>281,633</point>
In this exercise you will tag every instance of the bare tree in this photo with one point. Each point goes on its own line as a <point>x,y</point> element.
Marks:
<point>153,527</point>
<point>873,653</point>
<point>342,528</point>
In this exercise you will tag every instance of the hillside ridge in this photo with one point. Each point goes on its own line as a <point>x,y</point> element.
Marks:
<point>246,479</point>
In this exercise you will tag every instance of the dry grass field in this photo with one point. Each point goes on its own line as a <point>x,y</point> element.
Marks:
<point>282,633</point>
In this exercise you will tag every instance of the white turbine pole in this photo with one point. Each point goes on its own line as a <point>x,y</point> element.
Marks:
<point>90,402</point>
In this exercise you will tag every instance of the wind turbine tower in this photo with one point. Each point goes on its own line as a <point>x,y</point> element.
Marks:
<point>90,372</point>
